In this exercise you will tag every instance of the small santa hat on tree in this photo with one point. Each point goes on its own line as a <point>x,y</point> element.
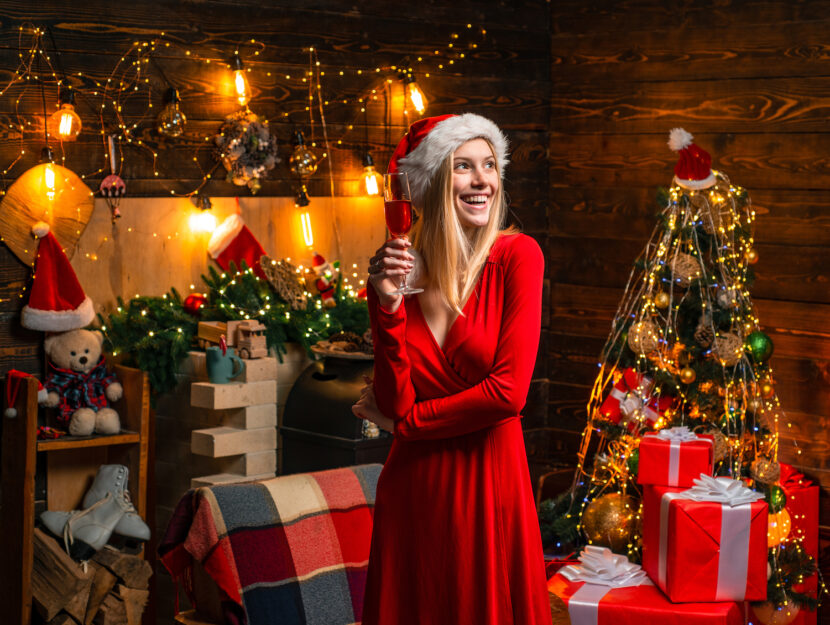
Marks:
<point>233,241</point>
<point>57,302</point>
<point>694,165</point>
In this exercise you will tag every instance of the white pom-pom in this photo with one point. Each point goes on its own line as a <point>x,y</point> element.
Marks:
<point>40,229</point>
<point>11,412</point>
<point>679,139</point>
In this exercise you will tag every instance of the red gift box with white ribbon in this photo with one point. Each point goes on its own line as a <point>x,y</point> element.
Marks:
<point>802,506</point>
<point>674,457</point>
<point>633,402</point>
<point>607,589</point>
<point>706,543</point>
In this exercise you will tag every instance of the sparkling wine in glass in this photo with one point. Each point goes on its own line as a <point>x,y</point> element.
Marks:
<point>397,203</point>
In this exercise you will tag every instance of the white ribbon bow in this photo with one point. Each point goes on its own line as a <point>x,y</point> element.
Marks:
<point>601,570</point>
<point>680,434</point>
<point>599,565</point>
<point>722,490</point>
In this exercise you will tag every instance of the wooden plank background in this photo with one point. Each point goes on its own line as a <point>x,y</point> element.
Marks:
<point>506,78</point>
<point>751,81</point>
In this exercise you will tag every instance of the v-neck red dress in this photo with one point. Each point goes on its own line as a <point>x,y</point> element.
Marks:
<point>456,539</point>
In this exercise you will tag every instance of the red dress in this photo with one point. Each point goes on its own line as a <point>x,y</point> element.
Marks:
<point>456,539</point>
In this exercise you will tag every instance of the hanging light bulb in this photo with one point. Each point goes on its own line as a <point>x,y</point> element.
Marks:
<point>204,220</point>
<point>171,120</point>
<point>240,82</point>
<point>48,172</point>
<point>371,178</point>
<point>414,93</point>
<point>65,123</point>
<point>302,162</point>
<point>301,201</point>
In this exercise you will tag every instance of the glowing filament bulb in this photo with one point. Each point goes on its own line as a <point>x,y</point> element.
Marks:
<point>203,221</point>
<point>370,176</point>
<point>49,181</point>
<point>308,235</point>
<point>65,123</point>
<point>243,91</point>
<point>415,95</point>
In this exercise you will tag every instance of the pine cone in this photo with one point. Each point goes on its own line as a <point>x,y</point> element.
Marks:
<point>350,337</point>
<point>704,335</point>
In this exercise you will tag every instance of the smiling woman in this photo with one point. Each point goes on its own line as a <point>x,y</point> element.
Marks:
<point>455,539</point>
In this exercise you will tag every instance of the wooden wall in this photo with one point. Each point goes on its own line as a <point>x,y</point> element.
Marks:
<point>750,81</point>
<point>506,78</point>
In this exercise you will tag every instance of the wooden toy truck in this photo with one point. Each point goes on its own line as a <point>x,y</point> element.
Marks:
<point>247,336</point>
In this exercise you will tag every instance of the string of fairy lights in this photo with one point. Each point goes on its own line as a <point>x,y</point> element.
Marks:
<point>130,86</point>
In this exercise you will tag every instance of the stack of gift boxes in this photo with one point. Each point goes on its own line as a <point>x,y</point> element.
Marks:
<point>704,545</point>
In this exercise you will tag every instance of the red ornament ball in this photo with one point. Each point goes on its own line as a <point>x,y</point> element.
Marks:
<point>193,303</point>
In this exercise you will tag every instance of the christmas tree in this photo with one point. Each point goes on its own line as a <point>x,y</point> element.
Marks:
<point>685,349</point>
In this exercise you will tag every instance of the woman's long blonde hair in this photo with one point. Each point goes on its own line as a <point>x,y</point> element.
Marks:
<point>452,260</point>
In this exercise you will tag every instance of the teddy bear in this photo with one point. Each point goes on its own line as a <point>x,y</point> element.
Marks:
<point>79,385</point>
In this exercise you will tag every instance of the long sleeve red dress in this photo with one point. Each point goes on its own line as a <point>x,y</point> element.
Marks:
<point>456,539</point>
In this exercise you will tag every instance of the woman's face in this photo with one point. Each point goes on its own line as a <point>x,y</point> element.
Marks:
<point>475,182</point>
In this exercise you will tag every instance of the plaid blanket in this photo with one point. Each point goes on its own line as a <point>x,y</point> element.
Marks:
<point>293,549</point>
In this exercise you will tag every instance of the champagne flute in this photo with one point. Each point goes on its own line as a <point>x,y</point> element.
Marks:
<point>397,203</point>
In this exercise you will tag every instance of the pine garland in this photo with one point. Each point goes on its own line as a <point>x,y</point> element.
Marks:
<point>154,334</point>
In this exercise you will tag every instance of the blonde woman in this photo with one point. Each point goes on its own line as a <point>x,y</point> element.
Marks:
<point>456,539</point>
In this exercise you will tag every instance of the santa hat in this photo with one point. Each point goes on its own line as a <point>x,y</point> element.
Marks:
<point>14,379</point>
<point>694,167</point>
<point>57,302</point>
<point>233,241</point>
<point>430,140</point>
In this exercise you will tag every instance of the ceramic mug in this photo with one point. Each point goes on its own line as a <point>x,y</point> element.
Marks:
<point>222,368</point>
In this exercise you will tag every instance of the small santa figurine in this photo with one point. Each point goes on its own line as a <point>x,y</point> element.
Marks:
<point>325,280</point>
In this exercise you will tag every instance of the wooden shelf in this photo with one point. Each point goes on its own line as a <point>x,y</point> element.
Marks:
<point>125,437</point>
<point>68,473</point>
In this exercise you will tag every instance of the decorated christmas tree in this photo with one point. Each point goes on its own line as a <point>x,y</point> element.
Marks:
<point>685,350</point>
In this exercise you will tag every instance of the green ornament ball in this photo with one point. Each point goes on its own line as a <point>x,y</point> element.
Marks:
<point>759,346</point>
<point>633,462</point>
<point>777,499</point>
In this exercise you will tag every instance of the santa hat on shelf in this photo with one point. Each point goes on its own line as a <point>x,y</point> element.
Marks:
<point>694,167</point>
<point>430,140</point>
<point>14,379</point>
<point>233,241</point>
<point>57,302</point>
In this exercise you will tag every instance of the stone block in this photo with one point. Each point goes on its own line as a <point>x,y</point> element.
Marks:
<point>254,463</point>
<point>222,396</point>
<point>223,441</point>
<point>251,417</point>
<point>226,478</point>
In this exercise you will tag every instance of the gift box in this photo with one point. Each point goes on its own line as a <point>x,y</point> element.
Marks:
<point>674,457</point>
<point>604,601</point>
<point>632,402</point>
<point>802,504</point>
<point>706,543</point>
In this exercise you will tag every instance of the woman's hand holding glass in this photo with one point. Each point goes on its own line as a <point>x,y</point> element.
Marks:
<point>391,263</point>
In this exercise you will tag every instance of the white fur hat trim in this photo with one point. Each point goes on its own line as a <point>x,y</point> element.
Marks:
<point>696,185</point>
<point>422,163</point>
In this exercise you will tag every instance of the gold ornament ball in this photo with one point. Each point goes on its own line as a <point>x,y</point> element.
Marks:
<point>687,375</point>
<point>754,405</point>
<point>729,348</point>
<point>768,614</point>
<point>661,300</point>
<point>765,471</point>
<point>643,337</point>
<point>559,610</point>
<point>778,527</point>
<point>767,389</point>
<point>609,521</point>
<point>752,257</point>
